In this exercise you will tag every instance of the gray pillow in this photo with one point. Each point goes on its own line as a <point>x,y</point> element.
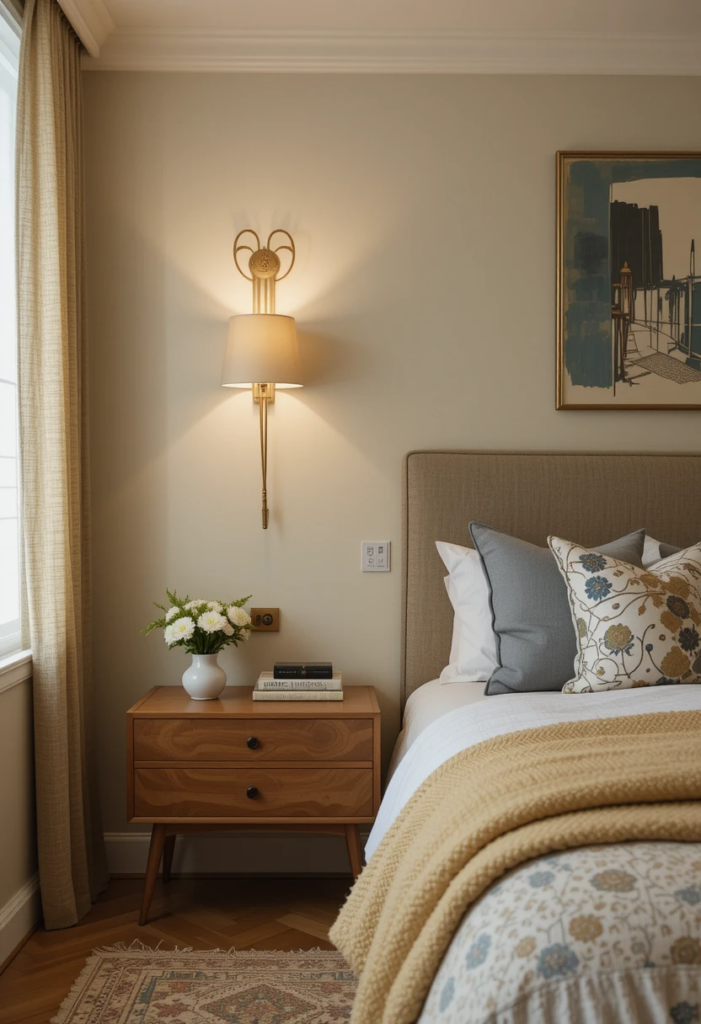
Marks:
<point>531,618</point>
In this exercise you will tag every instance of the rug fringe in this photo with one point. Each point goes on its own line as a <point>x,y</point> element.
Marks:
<point>137,946</point>
<point>76,991</point>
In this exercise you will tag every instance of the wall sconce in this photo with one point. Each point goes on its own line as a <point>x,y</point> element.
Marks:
<point>261,348</point>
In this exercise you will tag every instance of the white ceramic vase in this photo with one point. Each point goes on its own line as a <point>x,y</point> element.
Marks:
<point>205,678</point>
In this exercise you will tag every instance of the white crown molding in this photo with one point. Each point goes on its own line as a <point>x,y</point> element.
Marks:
<point>11,12</point>
<point>399,52</point>
<point>91,21</point>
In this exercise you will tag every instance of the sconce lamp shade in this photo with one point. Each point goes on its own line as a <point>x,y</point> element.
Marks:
<point>261,348</point>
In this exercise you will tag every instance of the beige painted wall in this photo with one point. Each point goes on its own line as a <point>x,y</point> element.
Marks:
<point>18,862</point>
<point>424,213</point>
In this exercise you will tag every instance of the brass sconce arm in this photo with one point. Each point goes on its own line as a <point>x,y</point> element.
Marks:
<point>264,397</point>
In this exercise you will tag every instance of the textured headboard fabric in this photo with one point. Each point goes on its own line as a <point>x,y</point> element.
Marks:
<point>587,497</point>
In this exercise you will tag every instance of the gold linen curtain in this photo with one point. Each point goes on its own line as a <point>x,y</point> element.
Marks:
<point>53,413</point>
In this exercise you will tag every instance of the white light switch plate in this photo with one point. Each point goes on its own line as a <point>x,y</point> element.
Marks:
<point>375,555</point>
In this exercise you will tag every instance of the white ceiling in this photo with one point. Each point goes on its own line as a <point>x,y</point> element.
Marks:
<point>552,36</point>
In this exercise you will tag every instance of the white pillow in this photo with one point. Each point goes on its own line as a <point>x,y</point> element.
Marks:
<point>651,551</point>
<point>473,653</point>
<point>656,550</point>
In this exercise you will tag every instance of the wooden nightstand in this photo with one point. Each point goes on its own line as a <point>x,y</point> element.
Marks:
<point>236,763</point>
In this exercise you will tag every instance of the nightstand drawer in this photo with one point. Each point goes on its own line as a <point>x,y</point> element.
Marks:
<point>254,792</point>
<point>263,739</point>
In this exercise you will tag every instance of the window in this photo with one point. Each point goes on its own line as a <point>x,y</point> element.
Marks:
<point>10,640</point>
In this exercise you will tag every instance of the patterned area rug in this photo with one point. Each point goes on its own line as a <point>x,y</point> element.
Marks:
<point>144,986</point>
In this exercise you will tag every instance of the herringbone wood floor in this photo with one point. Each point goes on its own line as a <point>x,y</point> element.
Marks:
<point>203,913</point>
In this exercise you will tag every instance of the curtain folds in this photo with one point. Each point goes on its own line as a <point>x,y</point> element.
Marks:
<point>53,412</point>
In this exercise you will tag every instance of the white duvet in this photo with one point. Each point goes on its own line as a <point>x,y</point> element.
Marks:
<point>465,726</point>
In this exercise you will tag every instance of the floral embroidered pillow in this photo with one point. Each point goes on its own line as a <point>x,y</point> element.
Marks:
<point>635,627</point>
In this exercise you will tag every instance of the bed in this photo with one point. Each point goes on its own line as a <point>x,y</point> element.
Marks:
<point>587,931</point>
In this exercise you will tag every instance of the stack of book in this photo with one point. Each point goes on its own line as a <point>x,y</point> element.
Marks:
<point>300,680</point>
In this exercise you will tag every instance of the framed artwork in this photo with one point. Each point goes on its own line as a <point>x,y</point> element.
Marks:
<point>628,292</point>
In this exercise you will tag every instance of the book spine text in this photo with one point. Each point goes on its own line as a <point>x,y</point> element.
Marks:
<point>317,695</point>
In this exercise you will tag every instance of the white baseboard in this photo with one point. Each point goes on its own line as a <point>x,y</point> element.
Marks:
<point>18,917</point>
<point>240,853</point>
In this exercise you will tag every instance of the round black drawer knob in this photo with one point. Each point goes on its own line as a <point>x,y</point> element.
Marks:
<point>252,792</point>
<point>252,742</point>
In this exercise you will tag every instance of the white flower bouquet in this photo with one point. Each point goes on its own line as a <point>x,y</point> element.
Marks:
<point>202,627</point>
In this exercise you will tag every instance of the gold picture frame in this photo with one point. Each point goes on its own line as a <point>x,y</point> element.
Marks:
<point>628,296</point>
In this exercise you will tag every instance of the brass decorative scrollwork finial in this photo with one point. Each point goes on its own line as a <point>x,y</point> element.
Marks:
<point>264,265</point>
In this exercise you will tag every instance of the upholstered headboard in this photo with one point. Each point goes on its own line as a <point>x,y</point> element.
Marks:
<point>583,496</point>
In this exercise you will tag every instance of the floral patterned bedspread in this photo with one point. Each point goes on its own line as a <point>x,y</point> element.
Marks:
<point>596,934</point>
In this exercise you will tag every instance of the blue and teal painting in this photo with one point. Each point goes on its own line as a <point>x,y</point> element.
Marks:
<point>630,299</point>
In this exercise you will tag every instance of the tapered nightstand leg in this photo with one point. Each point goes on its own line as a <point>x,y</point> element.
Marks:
<point>155,853</point>
<point>355,849</point>
<point>168,850</point>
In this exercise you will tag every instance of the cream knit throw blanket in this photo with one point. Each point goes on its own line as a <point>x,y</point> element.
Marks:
<point>497,805</point>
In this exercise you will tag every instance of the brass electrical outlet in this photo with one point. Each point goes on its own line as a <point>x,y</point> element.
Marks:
<point>266,620</point>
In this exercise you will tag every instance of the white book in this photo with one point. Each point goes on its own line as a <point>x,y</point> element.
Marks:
<point>316,695</point>
<point>267,681</point>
